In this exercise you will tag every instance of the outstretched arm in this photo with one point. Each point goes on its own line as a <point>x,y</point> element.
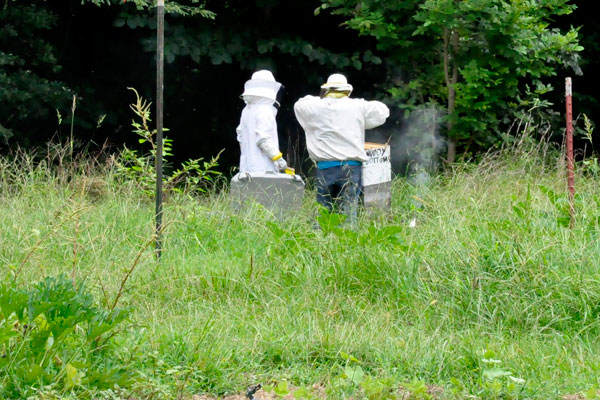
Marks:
<point>375,113</point>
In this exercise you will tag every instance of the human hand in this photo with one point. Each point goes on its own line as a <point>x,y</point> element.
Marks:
<point>280,164</point>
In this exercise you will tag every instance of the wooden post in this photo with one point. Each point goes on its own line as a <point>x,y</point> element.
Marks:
<point>160,47</point>
<point>570,160</point>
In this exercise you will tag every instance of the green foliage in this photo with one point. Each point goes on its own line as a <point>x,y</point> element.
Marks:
<point>494,382</point>
<point>193,175</point>
<point>560,202</point>
<point>28,66</point>
<point>590,165</point>
<point>356,382</point>
<point>474,57</point>
<point>30,90</point>
<point>53,334</point>
<point>230,39</point>
<point>329,222</point>
<point>182,8</point>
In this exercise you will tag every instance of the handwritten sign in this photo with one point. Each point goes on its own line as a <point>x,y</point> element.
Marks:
<point>378,169</point>
<point>379,155</point>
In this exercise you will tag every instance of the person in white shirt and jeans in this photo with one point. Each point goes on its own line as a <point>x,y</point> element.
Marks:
<point>335,125</point>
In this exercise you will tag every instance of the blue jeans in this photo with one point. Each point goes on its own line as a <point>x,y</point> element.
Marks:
<point>340,187</point>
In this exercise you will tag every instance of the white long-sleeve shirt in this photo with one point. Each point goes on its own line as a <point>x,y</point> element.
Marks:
<point>257,122</point>
<point>335,127</point>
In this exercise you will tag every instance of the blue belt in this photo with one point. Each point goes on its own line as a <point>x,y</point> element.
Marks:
<point>330,164</point>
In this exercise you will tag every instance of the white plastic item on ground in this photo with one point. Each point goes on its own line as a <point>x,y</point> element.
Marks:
<point>377,175</point>
<point>278,192</point>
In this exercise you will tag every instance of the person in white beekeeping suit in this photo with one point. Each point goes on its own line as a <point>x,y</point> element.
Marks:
<point>257,131</point>
<point>335,125</point>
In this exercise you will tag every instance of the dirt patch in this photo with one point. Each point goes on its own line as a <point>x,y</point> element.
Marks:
<point>580,396</point>
<point>434,391</point>
<point>260,395</point>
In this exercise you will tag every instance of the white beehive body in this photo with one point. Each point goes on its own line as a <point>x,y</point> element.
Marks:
<point>278,192</point>
<point>377,175</point>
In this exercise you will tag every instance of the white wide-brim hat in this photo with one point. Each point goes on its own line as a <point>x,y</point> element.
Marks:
<point>262,84</point>
<point>337,82</point>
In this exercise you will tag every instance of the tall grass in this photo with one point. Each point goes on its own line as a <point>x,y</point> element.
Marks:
<point>490,269</point>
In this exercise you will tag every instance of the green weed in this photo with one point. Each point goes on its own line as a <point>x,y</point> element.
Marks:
<point>192,175</point>
<point>53,335</point>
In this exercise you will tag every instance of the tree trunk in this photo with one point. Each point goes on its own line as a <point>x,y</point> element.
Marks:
<point>451,155</point>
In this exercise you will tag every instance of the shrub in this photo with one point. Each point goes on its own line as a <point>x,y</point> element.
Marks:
<point>52,334</point>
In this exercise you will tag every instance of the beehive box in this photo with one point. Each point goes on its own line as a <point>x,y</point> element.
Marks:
<point>377,175</point>
<point>279,193</point>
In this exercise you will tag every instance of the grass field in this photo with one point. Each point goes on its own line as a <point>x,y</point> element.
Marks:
<point>489,296</point>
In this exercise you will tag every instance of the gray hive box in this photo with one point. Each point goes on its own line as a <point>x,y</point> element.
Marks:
<point>377,176</point>
<point>280,193</point>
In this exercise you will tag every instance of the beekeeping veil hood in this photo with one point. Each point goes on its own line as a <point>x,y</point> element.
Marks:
<point>262,84</point>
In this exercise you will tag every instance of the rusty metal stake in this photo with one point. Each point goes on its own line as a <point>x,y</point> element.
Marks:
<point>160,47</point>
<point>570,161</point>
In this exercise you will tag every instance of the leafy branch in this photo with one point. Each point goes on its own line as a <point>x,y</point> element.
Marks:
<point>193,175</point>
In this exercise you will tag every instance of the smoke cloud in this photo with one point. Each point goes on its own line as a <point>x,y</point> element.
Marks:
<point>417,146</point>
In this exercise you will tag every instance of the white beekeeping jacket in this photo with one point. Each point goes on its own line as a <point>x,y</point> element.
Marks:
<point>257,122</point>
<point>335,127</point>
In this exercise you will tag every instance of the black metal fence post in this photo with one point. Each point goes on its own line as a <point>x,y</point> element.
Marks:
<point>160,47</point>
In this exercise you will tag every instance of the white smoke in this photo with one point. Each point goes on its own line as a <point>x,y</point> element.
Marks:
<point>416,148</point>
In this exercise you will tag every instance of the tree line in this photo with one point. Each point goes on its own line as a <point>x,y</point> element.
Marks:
<point>457,74</point>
